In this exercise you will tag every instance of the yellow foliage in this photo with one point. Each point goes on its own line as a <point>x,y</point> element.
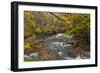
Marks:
<point>26,46</point>
<point>38,30</point>
<point>66,19</point>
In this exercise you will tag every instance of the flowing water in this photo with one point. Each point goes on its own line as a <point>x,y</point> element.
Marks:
<point>60,46</point>
<point>58,43</point>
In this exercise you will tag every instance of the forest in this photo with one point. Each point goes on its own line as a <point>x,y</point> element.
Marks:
<point>56,36</point>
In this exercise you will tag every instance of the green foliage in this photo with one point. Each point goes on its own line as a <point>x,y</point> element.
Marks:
<point>28,58</point>
<point>81,31</point>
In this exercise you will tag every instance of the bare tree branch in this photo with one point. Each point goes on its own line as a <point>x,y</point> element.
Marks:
<point>56,16</point>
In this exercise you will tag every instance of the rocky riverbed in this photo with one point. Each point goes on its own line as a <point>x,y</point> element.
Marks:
<point>56,47</point>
